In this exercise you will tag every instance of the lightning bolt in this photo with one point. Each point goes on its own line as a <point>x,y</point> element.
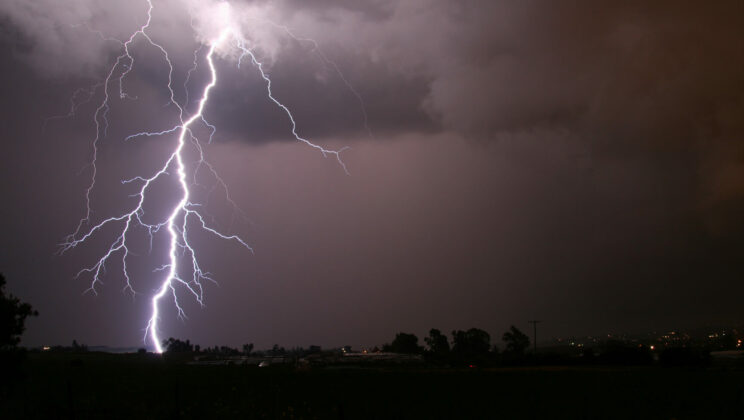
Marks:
<point>184,214</point>
<point>332,64</point>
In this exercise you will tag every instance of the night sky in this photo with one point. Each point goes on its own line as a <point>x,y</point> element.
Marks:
<point>577,162</point>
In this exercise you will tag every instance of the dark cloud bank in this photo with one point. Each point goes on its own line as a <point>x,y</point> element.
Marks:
<point>576,162</point>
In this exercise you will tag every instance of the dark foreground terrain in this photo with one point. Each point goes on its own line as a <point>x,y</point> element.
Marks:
<point>145,386</point>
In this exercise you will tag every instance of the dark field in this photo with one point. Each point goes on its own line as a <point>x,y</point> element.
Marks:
<point>136,386</point>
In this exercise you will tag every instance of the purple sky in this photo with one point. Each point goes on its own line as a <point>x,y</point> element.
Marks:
<point>574,162</point>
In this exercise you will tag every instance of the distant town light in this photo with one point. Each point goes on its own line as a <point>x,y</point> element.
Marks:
<point>47,348</point>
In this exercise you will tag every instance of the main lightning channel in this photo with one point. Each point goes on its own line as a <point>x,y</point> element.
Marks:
<point>181,207</point>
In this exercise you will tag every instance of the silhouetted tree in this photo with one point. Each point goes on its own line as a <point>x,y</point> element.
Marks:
<point>13,314</point>
<point>174,345</point>
<point>437,342</point>
<point>247,349</point>
<point>278,351</point>
<point>471,346</point>
<point>78,348</point>
<point>314,349</point>
<point>405,343</point>
<point>228,351</point>
<point>516,341</point>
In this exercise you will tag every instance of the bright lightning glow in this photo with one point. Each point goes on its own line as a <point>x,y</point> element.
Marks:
<point>184,212</point>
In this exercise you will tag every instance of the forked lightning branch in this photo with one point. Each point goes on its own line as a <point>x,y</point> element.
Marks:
<point>174,278</point>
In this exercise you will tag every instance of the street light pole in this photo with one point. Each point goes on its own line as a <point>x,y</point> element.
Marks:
<point>534,329</point>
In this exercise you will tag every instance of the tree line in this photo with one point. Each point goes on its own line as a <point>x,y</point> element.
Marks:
<point>469,347</point>
<point>466,347</point>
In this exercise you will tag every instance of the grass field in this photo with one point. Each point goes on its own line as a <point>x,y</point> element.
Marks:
<point>137,386</point>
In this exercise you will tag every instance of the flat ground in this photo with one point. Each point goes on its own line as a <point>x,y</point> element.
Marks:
<point>134,386</point>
